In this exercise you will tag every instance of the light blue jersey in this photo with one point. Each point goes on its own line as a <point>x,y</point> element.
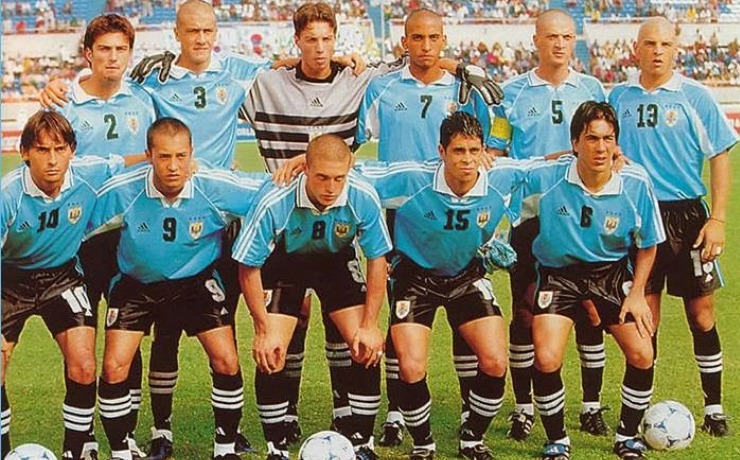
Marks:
<point>670,131</point>
<point>117,125</point>
<point>208,103</point>
<point>40,232</point>
<point>405,114</point>
<point>434,227</point>
<point>534,118</point>
<point>285,215</point>
<point>580,227</point>
<point>163,240</point>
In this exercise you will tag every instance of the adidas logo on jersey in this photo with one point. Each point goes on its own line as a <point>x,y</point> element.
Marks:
<point>24,226</point>
<point>400,107</point>
<point>142,228</point>
<point>296,231</point>
<point>563,211</point>
<point>316,102</point>
<point>430,215</point>
<point>86,126</point>
<point>626,113</point>
<point>532,112</point>
<point>175,97</point>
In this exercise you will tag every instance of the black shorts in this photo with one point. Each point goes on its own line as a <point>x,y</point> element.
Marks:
<point>58,295</point>
<point>677,262</point>
<point>416,294</point>
<point>194,305</point>
<point>99,264</point>
<point>336,278</point>
<point>561,291</point>
<point>228,268</point>
<point>523,273</point>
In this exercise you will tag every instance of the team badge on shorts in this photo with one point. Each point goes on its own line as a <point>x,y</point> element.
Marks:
<point>196,228</point>
<point>483,218</point>
<point>267,295</point>
<point>74,213</point>
<point>342,230</point>
<point>111,317</point>
<point>222,95</point>
<point>403,308</point>
<point>544,299</point>
<point>627,287</point>
<point>611,223</point>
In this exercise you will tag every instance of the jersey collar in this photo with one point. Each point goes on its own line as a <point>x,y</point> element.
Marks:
<point>674,84</point>
<point>447,79</point>
<point>302,200</point>
<point>178,72</point>
<point>613,187</point>
<point>31,189</point>
<point>80,96</point>
<point>534,80</point>
<point>152,192</point>
<point>479,189</point>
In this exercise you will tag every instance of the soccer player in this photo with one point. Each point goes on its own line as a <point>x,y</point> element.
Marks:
<point>601,216</point>
<point>108,116</point>
<point>668,119</point>
<point>453,207</point>
<point>406,108</point>
<point>314,222</point>
<point>171,225</point>
<point>533,121</point>
<point>46,205</point>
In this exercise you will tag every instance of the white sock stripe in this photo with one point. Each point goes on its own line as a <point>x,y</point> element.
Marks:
<point>704,358</point>
<point>558,395</point>
<point>484,401</point>
<point>162,383</point>
<point>272,413</point>
<point>233,406</point>
<point>392,375</point>
<point>467,374</point>
<point>550,410</point>
<point>293,374</point>
<point>79,427</point>
<point>485,407</point>
<point>122,400</point>
<point>107,408</point>
<point>593,365</point>
<point>294,357</point>
<point>592,356</point>
<point>77,418</point>
<point>418,419</point>
<point>227,401</point>
<point>465,359</point>
<point>161,391</point>
<point>110,414</point>
<point>5,429</point>
<point>271,420</point>
<point>340,363</point>
<point>364,405</point>
<point>365,412</point>
<point>635,406</point>
<point>419,411</point>
<point>513,348</point>
<point>163,375</point>
<point>521,364</point>
<point>78,410</point>
<point>227,393</point>
<point>273,407</point>
<point>598,348</point>
<point>463,366</point>
<point>367,398</point>
<point>389,361</point>
<point>710,370</point>
<point>135,392</point>
<point>637,394</point>
<point>335,346</point>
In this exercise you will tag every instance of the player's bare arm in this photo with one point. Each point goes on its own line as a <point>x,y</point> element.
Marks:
<point>635,302</point>
<point>368,341</point>
<point>712,235</point>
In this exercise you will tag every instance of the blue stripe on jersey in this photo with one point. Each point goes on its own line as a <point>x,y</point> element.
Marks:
<point>534,117</point>
<point>166,241</point>
<point>405,115</point>
<point>670,131</point>
<point>591,228</point>
<point>38,232</point>
<point>276,217</point>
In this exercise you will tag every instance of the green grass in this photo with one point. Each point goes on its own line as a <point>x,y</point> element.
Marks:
<point>35,382</point>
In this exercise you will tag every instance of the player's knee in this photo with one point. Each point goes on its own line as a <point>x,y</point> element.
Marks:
<point>702,320</point>
<point>83,371</point>
<point>226,364</point>
<point>114,371</point>
<point>547,359</point>
<point>640,357</point>
<point>493,364</point>
<point>412,370</point>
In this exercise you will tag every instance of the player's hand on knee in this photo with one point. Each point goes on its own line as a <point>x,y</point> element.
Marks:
<point>636,305</point>
<point>268,353</point>
<point>55,93</point>
<point>712,236</point>
<point>368,345</point>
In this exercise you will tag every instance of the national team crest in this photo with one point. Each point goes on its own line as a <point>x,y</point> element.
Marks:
<point>341,230</point>
<point>483,218</point>
<point>403,308</point>
<point>451,107</point>
<point>544,299</point>
<point>133,124</point>
<point>196,228</point>
<point>610,224</point>
<point>73,214</point>
<point>111,317</point>
<point>222,95</point>
<point>671,117</point>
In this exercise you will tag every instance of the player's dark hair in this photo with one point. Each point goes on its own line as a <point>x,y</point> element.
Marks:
<point>311,12</point>
<point>108,24</point>
<point>461,123</point>
<point>590,111</point>
<point>50,123</point>
<point>169,127</point>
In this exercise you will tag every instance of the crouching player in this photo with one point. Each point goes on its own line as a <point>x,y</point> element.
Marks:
<point>594,218</point>
<point>314,222</point>
<point>46,205</point>
<point>444,213</point>
<point>171,224</point>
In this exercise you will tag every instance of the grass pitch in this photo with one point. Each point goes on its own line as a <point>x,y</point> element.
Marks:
<point>36,387</point>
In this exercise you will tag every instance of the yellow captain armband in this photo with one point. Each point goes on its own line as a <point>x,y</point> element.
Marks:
<point>501,129</point>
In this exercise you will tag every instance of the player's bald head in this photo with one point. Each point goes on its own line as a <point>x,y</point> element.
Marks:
<point>420,16</point>
<point>656,25</point>
<point>194,7</point>
<point>327,147</point>
<point>550,17</point>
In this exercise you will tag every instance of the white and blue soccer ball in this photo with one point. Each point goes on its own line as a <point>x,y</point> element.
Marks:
<point>326,445</point>
<point>30,452</point>
<point>668,425</point>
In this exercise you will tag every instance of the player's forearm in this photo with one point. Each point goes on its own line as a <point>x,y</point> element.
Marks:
<point>643,265</point>
<point>250,280</point>
<point>719,183</point>
<point>377,273</point>
<point>130,160</point>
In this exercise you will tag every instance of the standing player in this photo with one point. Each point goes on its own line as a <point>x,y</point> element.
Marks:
<point>171,237</point>
<point>668,119</point>
<point>314,222</point>
<point>601,217</point>
<point>46,205</point>
<point>108,116</point>
<point>534,120</point>
<point>455,208</point>
<point>406,108</point>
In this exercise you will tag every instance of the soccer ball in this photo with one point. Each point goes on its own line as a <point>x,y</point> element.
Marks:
<point>326,445</point>
<point>668,425</point>
<point>30,452</point>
